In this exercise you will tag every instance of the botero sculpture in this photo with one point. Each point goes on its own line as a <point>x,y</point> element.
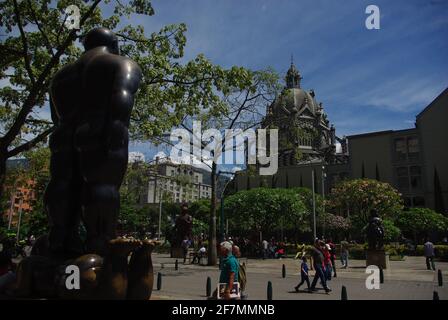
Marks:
<point>375,232</point>
<point>91,103</point>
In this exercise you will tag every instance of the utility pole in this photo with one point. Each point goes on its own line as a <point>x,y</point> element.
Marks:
<point>20,220</point>
<point>323,198</point>
<point>314,205</point>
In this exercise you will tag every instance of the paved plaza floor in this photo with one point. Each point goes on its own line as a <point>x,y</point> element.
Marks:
<point>404,280</point>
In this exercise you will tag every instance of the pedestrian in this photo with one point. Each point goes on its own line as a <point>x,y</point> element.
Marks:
<point>229,270</point>
<point>429,254</point>
<point>265,246</point>
<point>327,260</point>
<point>318,264</point>
<point>185,245</point>
<point>241,272</point>
<point>304,277</point>
<point>332,255</point>
<point>344,253</point>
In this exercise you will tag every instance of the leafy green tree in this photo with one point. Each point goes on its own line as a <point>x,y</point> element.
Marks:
<point>34,174</point>
<point>356,198</point>
<point>334,225</point>
<point>36,44</point>
<point>200,210</point>
<point>391,231</point>
<point>265,209</point>
<point>419,222</point>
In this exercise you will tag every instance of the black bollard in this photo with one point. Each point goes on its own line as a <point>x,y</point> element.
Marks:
<point>344,293</point>
<point>269,290</point>
<point>439,277</point>
<point>381,275</point>
<point>283,271</point>
<point>159,281</point>
<point>176,265</point>
<point>208,288</point>
<point>435,295</point>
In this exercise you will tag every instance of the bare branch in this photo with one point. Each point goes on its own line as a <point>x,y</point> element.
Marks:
<point>24,42</point>
<point>28,145</point>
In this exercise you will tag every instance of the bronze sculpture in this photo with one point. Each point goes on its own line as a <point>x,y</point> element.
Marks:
<point>91,104</point>
<point>375,231</point>
<point>183,227</point>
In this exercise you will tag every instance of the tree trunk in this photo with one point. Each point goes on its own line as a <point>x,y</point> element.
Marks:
<point>2,176</point>
<point>212,252</point>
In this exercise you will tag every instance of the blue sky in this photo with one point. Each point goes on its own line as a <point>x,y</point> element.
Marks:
<point>367,80</point>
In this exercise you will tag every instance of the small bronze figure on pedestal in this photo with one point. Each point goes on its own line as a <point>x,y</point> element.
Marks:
<point>375,231</point>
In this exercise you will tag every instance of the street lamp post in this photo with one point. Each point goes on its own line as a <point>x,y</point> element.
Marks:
<point>323,198</point>
<point>314,204</point>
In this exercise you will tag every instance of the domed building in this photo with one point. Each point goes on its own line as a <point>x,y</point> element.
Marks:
<point>305,133</point>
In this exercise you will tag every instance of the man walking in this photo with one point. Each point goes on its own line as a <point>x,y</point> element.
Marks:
<point>429,254</point>
<point>344,253</point>
<point>318,261</point>
<point>230,268</point>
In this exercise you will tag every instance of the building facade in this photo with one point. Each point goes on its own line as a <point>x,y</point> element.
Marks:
<point>414,161</point>
<point>179,182</point>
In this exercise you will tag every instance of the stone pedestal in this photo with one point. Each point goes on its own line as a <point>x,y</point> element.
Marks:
<point>377,258</point>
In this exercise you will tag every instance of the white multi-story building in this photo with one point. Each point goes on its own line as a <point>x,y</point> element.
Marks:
<point>183,183</point>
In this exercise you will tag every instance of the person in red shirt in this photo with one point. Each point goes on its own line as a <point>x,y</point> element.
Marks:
<point>332,255</point>
<point>327,260</point>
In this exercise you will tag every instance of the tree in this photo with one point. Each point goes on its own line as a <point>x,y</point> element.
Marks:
<point>335,225</point>
<point>36,44</point>
<point>360,196</point>
<point>200,210</point>
<point>391,231</point>
<point>419,222</point>
<point>238,108</point>
<point>264,210</point>
<point>306,196</point>
<point>34,174</point>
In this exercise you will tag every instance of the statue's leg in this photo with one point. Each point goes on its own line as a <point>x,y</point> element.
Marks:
<point>61,197</point>
<point>100,211</point>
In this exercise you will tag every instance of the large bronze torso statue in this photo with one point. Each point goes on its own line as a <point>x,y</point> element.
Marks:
<point>92,101</point>
<point>91,104</point>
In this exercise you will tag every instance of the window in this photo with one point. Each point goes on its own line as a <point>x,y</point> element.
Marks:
<point>407,202</point>
<point>419,202</point>
<point>402,178</point>
<point>416,178</point>
<point>400,149</point>
<point>413,148</point>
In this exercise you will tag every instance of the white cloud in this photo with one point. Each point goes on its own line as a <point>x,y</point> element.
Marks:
<point>204,164</point>
<point>136,157</point>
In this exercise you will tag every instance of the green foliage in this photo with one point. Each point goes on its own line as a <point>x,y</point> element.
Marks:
<point>360,196</point>
<point>421,221</point>
<point>200,210</point>
<point>34,221</point>
<point>265,209</point>
<point>333,223</point>
<point>391,232</point>
<point>36,44</point>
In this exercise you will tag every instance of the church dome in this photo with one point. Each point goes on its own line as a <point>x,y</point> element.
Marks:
<point>295,100</point>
